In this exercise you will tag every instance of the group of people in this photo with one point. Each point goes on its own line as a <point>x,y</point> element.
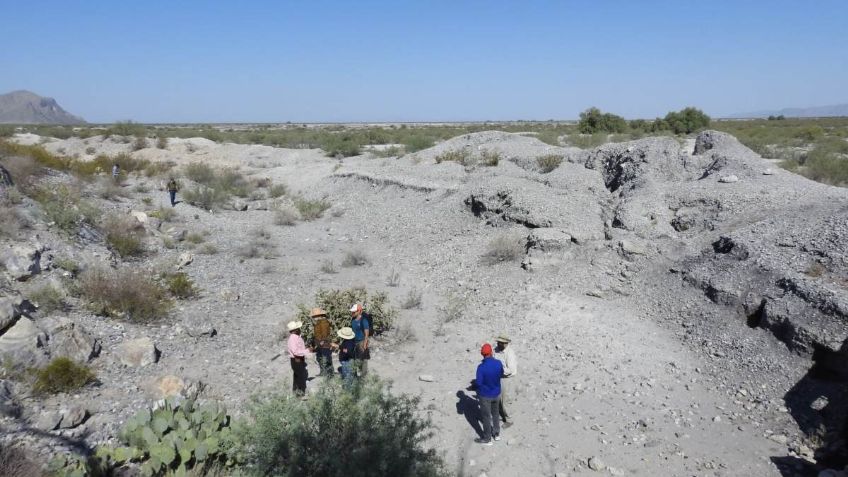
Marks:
<point>493,383</point>
<point>352,347</point>
<point>493,379</point>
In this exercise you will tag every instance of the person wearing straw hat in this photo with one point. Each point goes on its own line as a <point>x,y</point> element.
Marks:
<point>322,341</point>
<point>297,355</point>
<point>347,350</point>
<point>361,327</point>
<point>506,355</point>
<point>488,382</point>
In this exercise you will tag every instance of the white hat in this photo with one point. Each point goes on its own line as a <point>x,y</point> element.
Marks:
<point>346,333</point>
<point>294,325</point>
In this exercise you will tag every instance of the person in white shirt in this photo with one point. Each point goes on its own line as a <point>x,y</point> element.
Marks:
<point>506,355</point>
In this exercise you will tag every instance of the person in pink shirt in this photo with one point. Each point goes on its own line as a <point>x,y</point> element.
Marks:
<point>297,356</point>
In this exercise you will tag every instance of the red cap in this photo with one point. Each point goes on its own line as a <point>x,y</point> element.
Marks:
<point>486,350</point>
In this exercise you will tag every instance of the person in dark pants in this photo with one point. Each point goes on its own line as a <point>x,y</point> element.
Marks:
<point>362,331</point>
<point>172,191</point>
<point>347,350</point>
<point>322,341</point>
<point>297,355</point>
<point>488,383</point>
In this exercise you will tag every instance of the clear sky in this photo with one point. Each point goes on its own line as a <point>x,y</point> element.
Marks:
<point>275,61</point>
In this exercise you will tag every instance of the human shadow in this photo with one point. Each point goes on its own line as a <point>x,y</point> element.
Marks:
<point>818,403</point>
<point>470,408</point>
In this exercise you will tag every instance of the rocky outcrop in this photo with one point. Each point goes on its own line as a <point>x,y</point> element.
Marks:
<point>137,353</point>
<point>22,261</point>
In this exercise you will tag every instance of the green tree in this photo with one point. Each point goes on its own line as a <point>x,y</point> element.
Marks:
<point>593,120</point>
<point>687,120</point>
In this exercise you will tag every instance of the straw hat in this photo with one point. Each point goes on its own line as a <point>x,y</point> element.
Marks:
<point>346,333</point>
<point>318,313</point>
<point>294,325</point>
<point>503,339</point>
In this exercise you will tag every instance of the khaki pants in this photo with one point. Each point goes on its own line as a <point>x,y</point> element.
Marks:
<point>505,394</point>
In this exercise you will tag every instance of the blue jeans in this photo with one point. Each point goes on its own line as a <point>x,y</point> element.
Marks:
<point>489,416</point>
<point>347,373</point>
<point>173,195</point>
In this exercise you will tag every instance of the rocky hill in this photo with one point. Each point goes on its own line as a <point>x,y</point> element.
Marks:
<point>24,107</point>
<point>678,308</point>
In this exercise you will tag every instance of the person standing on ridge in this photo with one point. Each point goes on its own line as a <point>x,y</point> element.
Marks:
<point>488,382</point>
<point>297,356</point>
<point>322,341</point>
<point>172,191</point>
<point>506,355</point>
<point>362,331</point>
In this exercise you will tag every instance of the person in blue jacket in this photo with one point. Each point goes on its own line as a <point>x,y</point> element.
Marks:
<point>488,382</point>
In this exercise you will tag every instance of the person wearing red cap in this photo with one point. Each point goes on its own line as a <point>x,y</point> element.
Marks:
<point>488,382</point>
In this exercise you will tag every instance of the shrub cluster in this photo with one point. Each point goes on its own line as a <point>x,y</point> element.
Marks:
<point>311,209</point>
<point>124,235</point>
<point>548,162</point>
<point>61,375</point>
<point>337,304</point>
<point>124,293</point>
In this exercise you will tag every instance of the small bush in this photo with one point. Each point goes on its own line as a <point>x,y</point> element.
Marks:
<point>25,172</point>
<point>48,298</point>
<point>90,150</point>
<point>355,258</point>
<point>337,305</point>
<point>286,215</point>
<point>140,143</point>
<point>109,190</point>
<point>277,190</point>
<point>162,142</point>
<point>205,197</point>
<point>417,143</point>
<point>413,300</point>
<point>286,436</point>
<point>180,285</point>
<point>67,265</point>
<point>549,162</point>
<point>490,158</point>
<point>124,236</point>
<point>504,248</point>
<point>451,310</point>
<point>195,238</point>
<point>14,462</point>
<point>327,266</point>
<point>11,221</point>
<point>207,249</point>
<point>165,214</point>
<point>461,156</point>
<point>125,294</point>
<point>393,279</point>
<point>62,375</point>
<point>199,172</point>
<point>63,206</point>
<point>311,209</point>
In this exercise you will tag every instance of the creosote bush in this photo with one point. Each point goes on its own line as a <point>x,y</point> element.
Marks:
<point>124,293</point>
<point>337,304</point>
<point>124,235</point>
<point>289,437</point>
<point>61,375</point>
<point>180,285</point>
<point>311,209</point>
<point>548,162</point>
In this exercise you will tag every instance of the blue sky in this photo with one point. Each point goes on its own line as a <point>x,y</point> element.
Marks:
<point>273,61</point>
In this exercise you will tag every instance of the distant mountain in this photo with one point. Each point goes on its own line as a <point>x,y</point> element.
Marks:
<point>814,112</point>
<point>24,107</point>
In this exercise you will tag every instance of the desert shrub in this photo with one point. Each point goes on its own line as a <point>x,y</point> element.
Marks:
<point>207,249</point>
<point>393,279</point>
<point>593,121</point>
<point>686,121</point>
<point>11,221</point>
<point>109,190</point>
<point>355,258</point>
<point>205,197</point>
<point>124,235</point>
<point>67,265</point>
<point>286,215</point>
<point>393,151</point>
<point>180,285</point>
<point>154,169</point>
<point>61,375</point>
<point>178,438</point>
<point>123,293</point>
<point>490,158</point>
<point>341,145</point>
<point>258,246</point>
<point>504,248</point>
<point>413,300</point>
<point>311,209</point>
<point>549,162</point>
<point>337,304</point>
<point>165,214</point>
<point>417,143</point>
<point>162,142</point>
<point>14,462</point>
<point>139,143</point>
<point>828,161</point>
<point>277,190</point>
<point>195,238</point>
<point>62,206</point>
<point>199,172</point>
<point>327,266</point>
<point>451,310</point>
<point>25,172</point>
<point>126,128</point>
<point>286,436</point>
<point>461,156</point>
<point>48,298</point>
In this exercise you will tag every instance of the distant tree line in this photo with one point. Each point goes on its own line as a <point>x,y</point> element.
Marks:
<point>685,121</point>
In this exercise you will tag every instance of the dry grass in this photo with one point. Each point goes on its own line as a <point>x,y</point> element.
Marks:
<point>123,293</point>
<point>355,258</point>
<point>393,279</point>
<point>12,222</point>
<point>14,462</point>
<point>286,216</point>
<point>48,298</point>
<point>327,266</point>
<point>413,300</point>
<point>124,235</point>
<point>504,248</point>
<point>311,209</point>
<point>109,190</point>
<point>549,162</point>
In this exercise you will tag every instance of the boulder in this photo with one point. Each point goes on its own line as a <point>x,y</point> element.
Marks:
<point>728,179</point>
<point>185,259</point>
<point>169,385</point>
<point>140,216</point>
<point>48,421</point>
<point>9,405</point>
<point>73,417</point>
<point>176,234</point>
<point>548,239</point>
<point>10,311</point>
<point>259,205</point>
<point>22,261</point>
<point>74,342</point>
<point>22,344</point>
<point>137,353</point>
<point>197,328</point>
<point>629,248</point>
<point>238,205</point>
